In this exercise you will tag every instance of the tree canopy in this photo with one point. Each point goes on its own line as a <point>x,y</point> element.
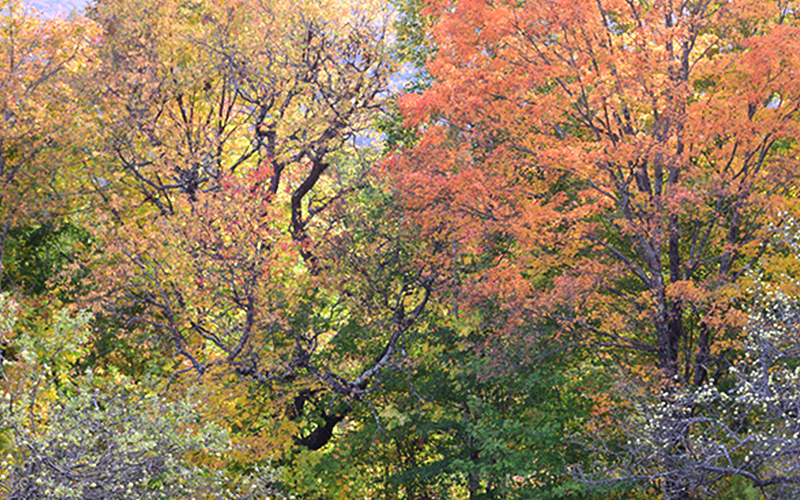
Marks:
<point>399,249</point>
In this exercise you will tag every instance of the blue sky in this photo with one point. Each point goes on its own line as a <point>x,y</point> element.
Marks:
<point>58,7</point>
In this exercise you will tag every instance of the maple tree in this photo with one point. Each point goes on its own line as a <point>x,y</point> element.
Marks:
<point>613,169</point>
<point>610,165</point>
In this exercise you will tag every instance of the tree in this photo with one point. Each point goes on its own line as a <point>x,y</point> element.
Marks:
<point>90,435</point>
<point>745,427</point>
<point>224,185</point>
<point>609,168</point>
<point>611,165</point>
<point>489,435</point>
<point>37,129</point>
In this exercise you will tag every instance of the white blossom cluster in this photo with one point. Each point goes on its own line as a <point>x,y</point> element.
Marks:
<point>693,437</point>
<point>743,424</point>
<point>746,424</point>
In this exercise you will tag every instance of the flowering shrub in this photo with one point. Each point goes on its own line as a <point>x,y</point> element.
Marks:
<point>744,423</point>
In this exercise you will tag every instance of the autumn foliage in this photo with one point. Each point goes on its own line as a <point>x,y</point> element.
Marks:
<point>408,249</point>
<point>616,166</point>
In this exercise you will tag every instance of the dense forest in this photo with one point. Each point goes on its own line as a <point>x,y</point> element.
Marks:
<point>400,249</point>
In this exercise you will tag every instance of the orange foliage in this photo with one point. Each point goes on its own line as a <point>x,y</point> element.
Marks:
<point>40,64</point>
<point>612,164</point>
